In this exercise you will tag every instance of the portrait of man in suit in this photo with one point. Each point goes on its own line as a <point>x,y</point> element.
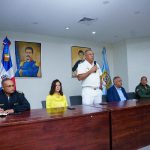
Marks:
<point>28,59</point>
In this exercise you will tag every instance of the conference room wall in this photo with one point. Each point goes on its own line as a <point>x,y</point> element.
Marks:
<point>131,61</point>
<point>138,57</point>
<point>120,67</point>
<point>56,63</point>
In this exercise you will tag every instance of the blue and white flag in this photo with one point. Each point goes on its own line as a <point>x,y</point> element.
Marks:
<point>105,72</point>
<point>6,68</point>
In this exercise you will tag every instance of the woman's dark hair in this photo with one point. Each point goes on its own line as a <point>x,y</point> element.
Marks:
<point>53,86</point>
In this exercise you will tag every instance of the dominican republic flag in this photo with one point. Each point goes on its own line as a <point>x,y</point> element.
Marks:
<point>6,68</point>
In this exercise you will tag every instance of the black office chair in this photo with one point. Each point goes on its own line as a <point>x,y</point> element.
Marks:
<point>75,100</point>
<point>43,104</point>
<point>132,95</point>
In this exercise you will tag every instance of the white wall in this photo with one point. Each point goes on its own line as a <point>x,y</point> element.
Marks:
<point>138,54</point>
<point>120,64</point>
<point>131,61</point>
<point>56,63</point>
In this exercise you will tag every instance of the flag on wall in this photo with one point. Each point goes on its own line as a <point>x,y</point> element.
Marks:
<point>6,68</point>
<point>105,72</point>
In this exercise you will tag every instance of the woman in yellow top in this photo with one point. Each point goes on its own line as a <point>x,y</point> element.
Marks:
<point>56,98</point>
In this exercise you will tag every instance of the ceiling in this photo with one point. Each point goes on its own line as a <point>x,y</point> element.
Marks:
<point>115,20</point>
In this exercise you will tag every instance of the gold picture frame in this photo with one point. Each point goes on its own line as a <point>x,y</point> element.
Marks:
<point>77,57</point>
<point>28,59</point>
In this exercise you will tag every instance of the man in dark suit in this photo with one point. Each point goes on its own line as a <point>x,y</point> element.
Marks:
<point>116,92</point>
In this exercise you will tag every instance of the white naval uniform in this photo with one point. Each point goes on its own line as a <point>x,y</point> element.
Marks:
<point>91,94</point>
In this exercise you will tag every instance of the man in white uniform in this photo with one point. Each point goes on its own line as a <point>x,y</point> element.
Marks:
<point>89,73</point>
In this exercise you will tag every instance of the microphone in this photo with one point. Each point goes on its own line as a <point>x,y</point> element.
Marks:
<point>95,64</point>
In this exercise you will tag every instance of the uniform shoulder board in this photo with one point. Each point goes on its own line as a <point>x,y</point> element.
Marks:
<point>21,63</point>
<point>37,64</point>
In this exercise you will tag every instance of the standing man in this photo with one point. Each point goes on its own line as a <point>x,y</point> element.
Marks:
<point>12,101</point>
<point>89,73</point>
<point>116,92</point>
<point>29,67</point>
<point>143,89</point>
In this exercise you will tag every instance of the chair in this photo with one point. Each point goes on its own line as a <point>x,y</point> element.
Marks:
<point>132,95</point>
<point>43,104</point>
<point>75,100</point>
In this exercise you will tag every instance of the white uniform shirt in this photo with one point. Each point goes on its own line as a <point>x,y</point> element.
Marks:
<point>93,80</point>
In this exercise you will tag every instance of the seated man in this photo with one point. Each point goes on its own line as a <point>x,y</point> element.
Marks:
<point>12,101</point>
<point>116,92</point>
<point>143,89</point>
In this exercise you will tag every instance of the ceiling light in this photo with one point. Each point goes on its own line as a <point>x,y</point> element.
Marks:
<point>93,32</point>
<point>67,28</point>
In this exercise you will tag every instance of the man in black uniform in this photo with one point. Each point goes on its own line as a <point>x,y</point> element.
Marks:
<point>12,101</point>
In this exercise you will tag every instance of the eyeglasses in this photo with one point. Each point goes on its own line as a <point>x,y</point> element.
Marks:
<point>10,85</point>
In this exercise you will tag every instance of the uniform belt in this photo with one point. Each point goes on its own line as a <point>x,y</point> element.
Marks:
<point>94,88</point>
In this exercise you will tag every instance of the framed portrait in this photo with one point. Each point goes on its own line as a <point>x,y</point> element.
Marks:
<point>77,56</point>
<point>28,59</point>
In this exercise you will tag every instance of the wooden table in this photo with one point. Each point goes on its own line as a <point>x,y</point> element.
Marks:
<point>85,128</point>
<point>130,124</point>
